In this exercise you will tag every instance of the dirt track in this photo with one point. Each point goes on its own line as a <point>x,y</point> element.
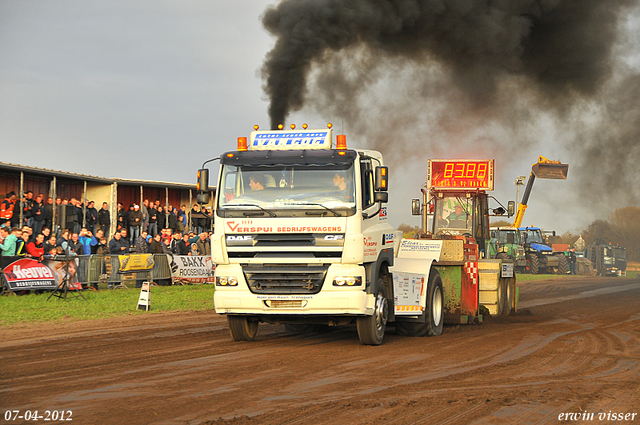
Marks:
<point>573,347</point>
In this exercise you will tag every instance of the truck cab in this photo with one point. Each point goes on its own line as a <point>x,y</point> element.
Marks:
<point>301,234</point>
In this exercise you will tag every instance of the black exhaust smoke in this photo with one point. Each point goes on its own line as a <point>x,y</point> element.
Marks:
<point>562,48</point>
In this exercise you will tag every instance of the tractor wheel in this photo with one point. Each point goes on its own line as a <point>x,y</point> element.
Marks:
<point>371,328</point>
<point>563,265</point>
<point>503,256</point>
<point>241,328</point>
<point>534,264</point>
<point>433,317</point>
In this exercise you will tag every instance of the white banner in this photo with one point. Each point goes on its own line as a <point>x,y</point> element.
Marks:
<point>187,269</point>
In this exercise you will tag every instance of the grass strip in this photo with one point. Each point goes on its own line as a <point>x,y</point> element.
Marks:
<point>103,303</point>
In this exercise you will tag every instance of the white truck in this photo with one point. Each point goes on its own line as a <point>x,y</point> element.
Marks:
<point>302,238</point>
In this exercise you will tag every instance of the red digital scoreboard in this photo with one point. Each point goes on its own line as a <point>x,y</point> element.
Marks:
<point>457,174</point>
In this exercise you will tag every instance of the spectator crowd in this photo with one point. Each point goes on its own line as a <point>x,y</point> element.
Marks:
<point>78,229</point>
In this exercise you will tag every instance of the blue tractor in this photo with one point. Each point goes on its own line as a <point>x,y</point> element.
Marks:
<point>540,257</point>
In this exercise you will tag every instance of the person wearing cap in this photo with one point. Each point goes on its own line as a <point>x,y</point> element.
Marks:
<point>135,221</point>
<point>458,218</point>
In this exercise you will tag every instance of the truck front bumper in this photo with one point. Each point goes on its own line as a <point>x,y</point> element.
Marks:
<point>331,300</point>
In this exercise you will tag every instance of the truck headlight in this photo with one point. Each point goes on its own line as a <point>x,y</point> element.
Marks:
<point>347,281</point>
<point>226,281</point>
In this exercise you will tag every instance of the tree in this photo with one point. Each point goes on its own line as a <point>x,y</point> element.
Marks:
<point>622,228</point>
<point>408,231</point>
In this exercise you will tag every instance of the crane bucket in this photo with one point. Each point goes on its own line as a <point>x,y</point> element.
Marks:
<point>550,170</point>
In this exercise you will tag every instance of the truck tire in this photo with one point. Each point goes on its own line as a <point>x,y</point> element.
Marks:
<point>371,328</point>
<point>241,328</point>
<point>508,296</point>
<point>563,264</point>
<point>534,264</point>
<point>433,316</point>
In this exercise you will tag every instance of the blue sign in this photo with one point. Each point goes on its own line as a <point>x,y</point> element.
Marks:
<point>289,140</point>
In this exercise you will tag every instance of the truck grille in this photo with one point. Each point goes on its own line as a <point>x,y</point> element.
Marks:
<point>285,279</point>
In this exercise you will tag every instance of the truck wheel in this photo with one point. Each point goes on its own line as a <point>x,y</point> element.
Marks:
<point>534,264</point>
<point>433,316</point>
<point>563,265</point>
<point>371,328</point>
<point>435,306</point>
<point>241,328</point>
<point>508,297</point>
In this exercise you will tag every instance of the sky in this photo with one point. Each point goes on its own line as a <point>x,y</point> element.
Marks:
<point>152,89</point>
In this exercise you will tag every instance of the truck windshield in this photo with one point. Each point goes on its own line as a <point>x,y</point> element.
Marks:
<point>323,187</point>
<point>453,215</point>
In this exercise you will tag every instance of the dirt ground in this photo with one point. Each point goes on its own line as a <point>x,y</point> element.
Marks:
<point>573,347</point>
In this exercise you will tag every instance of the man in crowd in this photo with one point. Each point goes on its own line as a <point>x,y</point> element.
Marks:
<point>182,217</point>
<point>142,246</point>
<point>60,219</point>
<point>144,209</point>
<point>74,247</point>
<point>91,217</point>
<point>21,242</point>
<point>98,236</point>
<point>135,221</point>
<point>64,237</point>
<point>27,206</point>
<point>153,220</point>
<point>104,219</point>
<point>87,240</point>
<point>71,217</point>
<point>39,214</point>
<point>7,208</point>
<point>195,219</point>
<point>50,246</point>
<point>35,248</point>
<point>8,245</point>
<point>48,213</point>
<point>203,244</point>
<point>118,245</point>
<point>184,246</point>
<point>122,218</point>
<point>175,243</point>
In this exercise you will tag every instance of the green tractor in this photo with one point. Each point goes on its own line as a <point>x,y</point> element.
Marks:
<point>506,244</point>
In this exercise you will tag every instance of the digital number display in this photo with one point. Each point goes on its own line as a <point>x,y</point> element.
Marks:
<point>460,174</point>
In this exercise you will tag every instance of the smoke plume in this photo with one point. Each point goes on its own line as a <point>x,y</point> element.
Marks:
<point>501,76</point>
<point>561,47</point>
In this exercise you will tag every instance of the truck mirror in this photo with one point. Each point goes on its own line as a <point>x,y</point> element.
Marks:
<point>511,207</point>
<point>381,197</point>
<point>416,207</point>
<point>203,198</point>
<point>382,179</point>
<point>203,180</point>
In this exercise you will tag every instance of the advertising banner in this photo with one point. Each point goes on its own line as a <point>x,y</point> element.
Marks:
<point>62,268</point>
<point>28,274</point>
<point>135,263</point>
<point>187,269</point>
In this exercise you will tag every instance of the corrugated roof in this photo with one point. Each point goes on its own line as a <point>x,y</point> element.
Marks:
<point>50,172</point>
